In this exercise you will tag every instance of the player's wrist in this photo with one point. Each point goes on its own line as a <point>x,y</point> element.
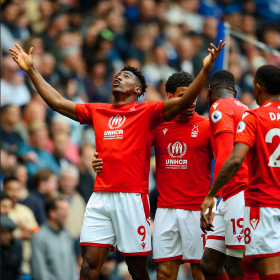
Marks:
<point>31,70</point>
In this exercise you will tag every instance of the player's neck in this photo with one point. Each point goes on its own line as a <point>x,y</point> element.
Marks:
<point>268,97</point>
<point>121,99</point>
<point>183,118</point>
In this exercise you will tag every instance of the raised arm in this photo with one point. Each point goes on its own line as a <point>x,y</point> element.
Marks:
<point>47,92</point>
<point>174,106</point>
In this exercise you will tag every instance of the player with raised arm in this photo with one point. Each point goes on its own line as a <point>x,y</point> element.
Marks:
<point>225,243</point>
<point>183,166</point>
<point>258,138</point>
<point>118,211</point>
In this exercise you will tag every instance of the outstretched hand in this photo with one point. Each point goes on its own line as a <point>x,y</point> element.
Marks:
<point>24,60</point>
<point>213,54</point>
<point>208,203</point>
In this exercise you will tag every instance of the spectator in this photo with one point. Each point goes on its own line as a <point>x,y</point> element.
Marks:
<point>53,252</point>
<point>13,89</point>
<point>25,220</point>
<point>68,181</point>
<point>45,185</point>
<point>60,141</point>
<point>11,250</point>
<point>158,69</point>
<point>6,204</point>
<point>35,155</point>
<point>20,172</point>
<point>87,177</point>
<point>10,116</point>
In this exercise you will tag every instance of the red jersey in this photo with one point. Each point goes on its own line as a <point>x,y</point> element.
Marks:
<point>260,130</point>
<point>183,162</point>
<point>123,141</point>
<point>224,116</point>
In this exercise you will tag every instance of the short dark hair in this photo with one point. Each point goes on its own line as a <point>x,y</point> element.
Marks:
<point>3,196</point>
<point>5,108</point>
<point>50,202</point>
<point>140,77</point>
<point>179,79</point>
<point>269,76</point>
<point>8,179</point>
<point>42,175</point>
<point>222,79</point>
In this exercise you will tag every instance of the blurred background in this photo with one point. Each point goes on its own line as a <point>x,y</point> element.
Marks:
<point>79,45</point>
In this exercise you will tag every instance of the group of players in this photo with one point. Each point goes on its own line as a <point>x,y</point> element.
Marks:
<point>118,210</point>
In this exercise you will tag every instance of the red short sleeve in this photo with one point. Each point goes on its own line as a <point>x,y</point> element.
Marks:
<point>85,112</point>
<point>221,119</point>
<point>156,113</point>
<point>246,131</point>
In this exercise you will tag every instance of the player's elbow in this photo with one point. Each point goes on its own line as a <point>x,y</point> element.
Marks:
<point>236,163</point>
<point>56,105</point>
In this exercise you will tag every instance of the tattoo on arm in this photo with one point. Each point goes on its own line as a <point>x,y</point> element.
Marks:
<point>228,170</point>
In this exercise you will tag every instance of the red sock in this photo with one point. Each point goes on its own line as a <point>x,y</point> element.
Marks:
<point>271,277</point>
<point>250,271</point>
<point>238,278</point>
<point>218,277</point>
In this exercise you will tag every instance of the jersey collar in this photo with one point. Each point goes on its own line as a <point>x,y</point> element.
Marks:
<point>267,103</point>
<point>185,122</point>
<point>124,105</point>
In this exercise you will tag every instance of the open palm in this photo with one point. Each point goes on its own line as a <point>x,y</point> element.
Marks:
<point>213,54</point>
<point>23,59</point>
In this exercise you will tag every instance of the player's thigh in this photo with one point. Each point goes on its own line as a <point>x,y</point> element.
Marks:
<point>98,229</point>
<point>196,272</point>
<point>137,266</point>
<point>212,262</point>
<point>234,266</point>
<point>93,259</point>
<point>167,241</point>
<point>216,239</point>
<point>131,221</point>
<point>168,269</point>
<point>267,266</point>
<point>234,219</point>
<point>193,239</point>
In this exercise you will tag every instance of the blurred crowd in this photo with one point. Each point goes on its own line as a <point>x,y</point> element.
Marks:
<point>79,45</point>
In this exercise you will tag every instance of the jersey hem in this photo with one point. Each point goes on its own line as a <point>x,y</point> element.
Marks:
<point>180,207</point>
<point>135,254</point>
<point>111,247</point>
<point>168,259</point>
<point>262,255</point>
<point>257,204</point>
<point>226,197</point>
<point>96,189</point>
<point>244,142</point>
<point>222,131</point>
<point>235,246</point>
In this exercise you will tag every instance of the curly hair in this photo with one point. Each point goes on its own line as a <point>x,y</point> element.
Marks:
<point>179,79</point>
<point>269,76</point>
<point>140,77</point>
<point>222,79</point>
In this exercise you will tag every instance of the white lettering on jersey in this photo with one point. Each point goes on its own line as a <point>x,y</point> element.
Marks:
<point>215,105</point>
<point>113,134</point>
<point>238,103</point>
<point>216,116</point>
<point>274,116</point>
<point>241,127</point>
<point>195,131</point>
<point>164,131</point>
<point>176,150</point>
<point>132,109</point>
<point>245,115</point>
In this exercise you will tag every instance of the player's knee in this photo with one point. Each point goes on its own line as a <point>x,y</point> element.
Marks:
<point>87,272</point>
<point>136,272</point>
<point>164,273</point>
<point>234,267</point>
<point>208,268</point>
<point>196,272</point>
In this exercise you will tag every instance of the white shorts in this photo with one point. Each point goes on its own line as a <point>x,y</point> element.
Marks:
<point>177,236</point>
<point>121,219</point>
<point>227,236</point>
<point>262,232</point>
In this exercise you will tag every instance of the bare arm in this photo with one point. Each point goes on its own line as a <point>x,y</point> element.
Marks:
<point>227,171</point>
<point>47,92</point>
<point>174,106</point>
